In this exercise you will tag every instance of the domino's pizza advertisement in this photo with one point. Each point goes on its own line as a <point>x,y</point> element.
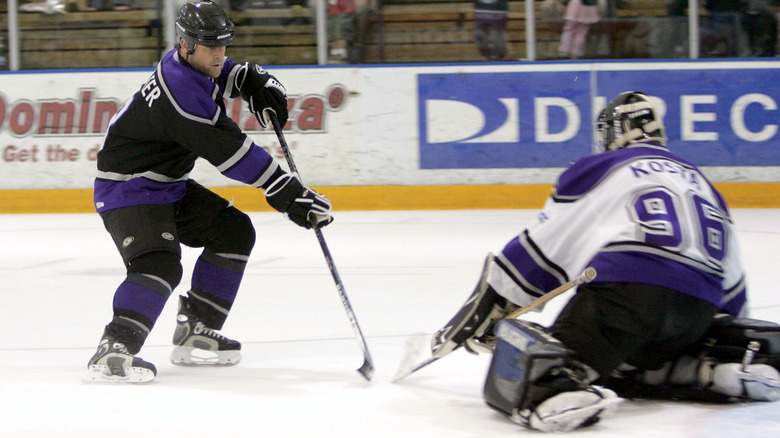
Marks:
<point>52,125</point>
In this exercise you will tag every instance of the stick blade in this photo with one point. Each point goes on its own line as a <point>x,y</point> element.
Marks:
<point>404,373</point>
<point>415,348</point>
<point>367,370</point>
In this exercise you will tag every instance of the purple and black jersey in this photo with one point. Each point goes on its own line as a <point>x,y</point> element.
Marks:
<point>177,116</point>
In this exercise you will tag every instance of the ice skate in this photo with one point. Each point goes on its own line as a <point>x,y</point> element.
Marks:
<point>113,363</point>
<point>473,325</point>
<point>195,344</point>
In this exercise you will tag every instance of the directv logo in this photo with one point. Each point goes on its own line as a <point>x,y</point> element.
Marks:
<point>501,120</point>
<point>473,126</point>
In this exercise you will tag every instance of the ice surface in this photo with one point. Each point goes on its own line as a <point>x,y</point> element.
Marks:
<point>405,272</point>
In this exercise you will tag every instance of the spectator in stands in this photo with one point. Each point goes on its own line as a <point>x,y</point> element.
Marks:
<point>579,16</point>
<point>490,17</point>
<point>100,5</point>
<point>761,27</point>
<point>341,29</point>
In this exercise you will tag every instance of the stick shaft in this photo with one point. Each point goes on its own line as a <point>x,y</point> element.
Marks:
<point>586,277</point>
<point>368,365</point>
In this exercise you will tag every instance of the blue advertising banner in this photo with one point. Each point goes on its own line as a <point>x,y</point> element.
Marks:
<point>713,117</point>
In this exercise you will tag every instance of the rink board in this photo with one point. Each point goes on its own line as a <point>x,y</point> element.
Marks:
<point>738,195</point>
<point>390,137</point>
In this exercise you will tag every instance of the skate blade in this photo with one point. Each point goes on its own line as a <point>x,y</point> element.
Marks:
<point>195,357</point>
<point>100,374</point>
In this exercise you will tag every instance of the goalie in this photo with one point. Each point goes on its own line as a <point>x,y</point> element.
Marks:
<point>665,316</point>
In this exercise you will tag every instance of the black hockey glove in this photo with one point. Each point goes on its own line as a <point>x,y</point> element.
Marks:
<point>300,204</point>
<point>263,92</point>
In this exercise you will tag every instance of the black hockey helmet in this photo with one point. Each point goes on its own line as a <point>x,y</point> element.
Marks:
<point>204,23</point>
<point>629,118</point>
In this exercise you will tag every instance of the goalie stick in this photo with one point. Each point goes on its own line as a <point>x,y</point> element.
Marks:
<point>367,369</point>
<point>413,345</point>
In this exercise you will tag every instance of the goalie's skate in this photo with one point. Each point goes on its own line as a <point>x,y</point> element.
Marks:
<point>472,326</point>
<point>112,363</point>
<point>195,344</point>
<point>570,410</point>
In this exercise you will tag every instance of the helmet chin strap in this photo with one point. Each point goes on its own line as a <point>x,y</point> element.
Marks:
<point>187,50</point>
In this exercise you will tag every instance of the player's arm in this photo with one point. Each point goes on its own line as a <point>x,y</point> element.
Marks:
<point>237,157</point>
<point>261,90</point>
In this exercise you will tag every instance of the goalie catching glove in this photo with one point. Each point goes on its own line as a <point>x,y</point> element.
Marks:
<point>300,204</point>
<point>263,92</point>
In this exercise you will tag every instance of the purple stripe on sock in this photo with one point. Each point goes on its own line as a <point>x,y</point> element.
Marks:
<point>140,299</point>
<point>220,282</point>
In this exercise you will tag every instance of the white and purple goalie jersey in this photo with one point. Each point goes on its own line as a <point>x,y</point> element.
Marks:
<point>637,215</point>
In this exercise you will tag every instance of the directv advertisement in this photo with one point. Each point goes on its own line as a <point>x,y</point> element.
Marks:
<point>538,119</point>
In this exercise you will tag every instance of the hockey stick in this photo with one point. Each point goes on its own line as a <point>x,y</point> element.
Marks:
<point>406,370</point>
<point>367,369</point>
<point>586,277</point>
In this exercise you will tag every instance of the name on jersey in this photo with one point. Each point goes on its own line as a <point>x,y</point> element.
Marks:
<point>151,91</point>
<point>643,168</point>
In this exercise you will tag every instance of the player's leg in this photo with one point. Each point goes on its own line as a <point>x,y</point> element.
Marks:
<point>538,381</point>
<point>737,359</point>
<point>535,380</point>
<point>607,324</point>
<point>227,236</point>
<point>146,238</point>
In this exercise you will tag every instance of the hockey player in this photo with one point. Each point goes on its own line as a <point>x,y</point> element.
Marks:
<point>150,206</point>
<point>662,241</point>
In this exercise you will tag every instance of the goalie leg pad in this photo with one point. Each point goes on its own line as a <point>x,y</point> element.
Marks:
<point>747,382</point>
<point>570,410</point>
<point>728,338</point>
<point>473,323</point>
<point>704,379</point>
<point>534,380</point>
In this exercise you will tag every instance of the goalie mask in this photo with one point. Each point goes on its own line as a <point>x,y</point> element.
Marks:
<point>204,23</point>
<point>629,118</point>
